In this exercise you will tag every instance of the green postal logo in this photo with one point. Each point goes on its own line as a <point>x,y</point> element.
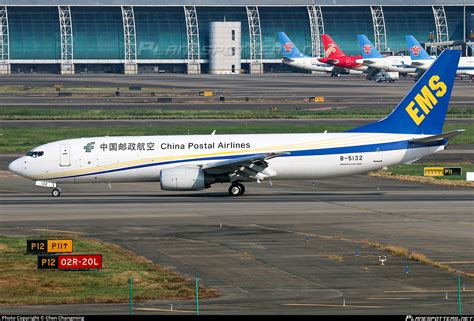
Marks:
<point>89,147</point>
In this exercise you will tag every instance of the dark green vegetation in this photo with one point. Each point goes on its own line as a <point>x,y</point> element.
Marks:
<point>307,111</point>
<point>22,283</point>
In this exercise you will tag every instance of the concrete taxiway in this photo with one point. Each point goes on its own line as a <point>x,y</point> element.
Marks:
<point>292,248</point>
<point>284,91</point>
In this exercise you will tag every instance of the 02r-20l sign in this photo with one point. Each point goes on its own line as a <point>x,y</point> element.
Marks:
<point>70,262</point>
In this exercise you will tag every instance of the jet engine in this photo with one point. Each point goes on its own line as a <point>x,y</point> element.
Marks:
<point>183,178</point>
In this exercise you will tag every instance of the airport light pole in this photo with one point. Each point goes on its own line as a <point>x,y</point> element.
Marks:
<point>464,26</point>
<point>197,296</point>
<point>459,295</point>
<point>131,294</point>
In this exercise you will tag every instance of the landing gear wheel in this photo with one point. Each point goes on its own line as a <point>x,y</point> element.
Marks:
<point>242,189</point>
<point>236,189</point>
<point>56,192</point>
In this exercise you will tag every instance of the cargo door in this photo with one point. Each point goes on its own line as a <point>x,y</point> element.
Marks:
<point>378,158</point>
<point>65,155</point>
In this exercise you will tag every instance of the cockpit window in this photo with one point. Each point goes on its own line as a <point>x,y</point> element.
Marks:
<point>34,154</point>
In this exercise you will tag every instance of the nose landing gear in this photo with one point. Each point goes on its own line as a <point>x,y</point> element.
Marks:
<point>236,189</point>
<point>56,190</point>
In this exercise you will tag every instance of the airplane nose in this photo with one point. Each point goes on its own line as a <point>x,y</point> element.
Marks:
<point>16,166</point>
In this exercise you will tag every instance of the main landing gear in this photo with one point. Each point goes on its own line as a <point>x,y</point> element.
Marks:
<point>56,192</point>
<point>236,189</point>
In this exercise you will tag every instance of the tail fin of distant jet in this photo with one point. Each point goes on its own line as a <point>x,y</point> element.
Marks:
<point>288,48</point>
<point>331,49</point>
<point>424,108</point>
<point>367,48</point>
<point>415,49</point>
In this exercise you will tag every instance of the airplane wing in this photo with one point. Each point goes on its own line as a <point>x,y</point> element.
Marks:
<point>371,72</point>
<point>435,138</point>
<point>252,166</point>
<point>416,64</point>
<point>368,62</point>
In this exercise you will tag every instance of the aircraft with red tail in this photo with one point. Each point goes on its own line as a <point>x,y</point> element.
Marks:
<point>336,57</point>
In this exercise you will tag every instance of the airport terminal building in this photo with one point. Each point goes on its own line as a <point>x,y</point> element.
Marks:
<point>130,36</point>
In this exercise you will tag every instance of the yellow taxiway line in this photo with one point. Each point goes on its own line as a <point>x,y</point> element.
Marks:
<point>333,305</point>
<point>164,310</point>
<point>56,231</point>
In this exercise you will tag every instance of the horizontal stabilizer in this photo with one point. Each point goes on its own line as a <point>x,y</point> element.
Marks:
<point>332,61</point>
<point>439,137</point>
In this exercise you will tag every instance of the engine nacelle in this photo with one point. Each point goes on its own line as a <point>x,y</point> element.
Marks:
<point>183,178</point>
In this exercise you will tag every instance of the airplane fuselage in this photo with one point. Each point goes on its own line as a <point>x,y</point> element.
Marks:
<point>308,63</point>
<point>141,158</point>
<point>465,67</point>
<point>348,62</point>
<point>391,63</point>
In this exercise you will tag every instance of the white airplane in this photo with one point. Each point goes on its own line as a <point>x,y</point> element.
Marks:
<point>371,57</point>
<point>421,60</point>
<point>195,162</point>
<point>293,57</point>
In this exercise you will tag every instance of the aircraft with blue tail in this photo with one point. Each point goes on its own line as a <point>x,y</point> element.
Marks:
<point>292,56</point>
<point>196,162</point>
<point>371,57</point>
<point>422,60</point>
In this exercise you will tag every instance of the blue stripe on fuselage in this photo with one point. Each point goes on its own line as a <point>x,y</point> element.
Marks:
<point>309,152</point>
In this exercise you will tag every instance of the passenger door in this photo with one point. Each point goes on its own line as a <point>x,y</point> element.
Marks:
<point>65,155</point>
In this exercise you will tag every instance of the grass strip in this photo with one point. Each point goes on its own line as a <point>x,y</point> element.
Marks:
<point>226,112</point>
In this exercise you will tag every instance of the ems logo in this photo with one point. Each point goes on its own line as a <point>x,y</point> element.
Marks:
<point>416,50</point>
<point>367,49</point>
<point>288,46</point>
<point>330,50</point>
<point>89,147</point>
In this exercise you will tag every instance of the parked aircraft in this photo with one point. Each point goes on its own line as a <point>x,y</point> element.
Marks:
<point>195,162</point>
<point>293,57</point>
<point>371,57</point>
<point>336,57</point>
<point>422,60</point>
